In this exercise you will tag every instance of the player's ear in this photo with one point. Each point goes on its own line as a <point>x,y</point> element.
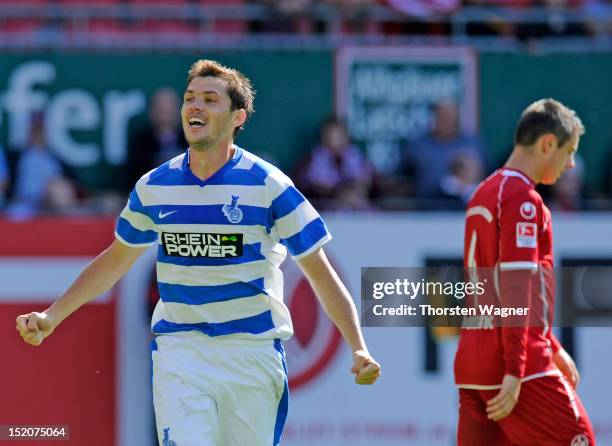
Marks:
<point>239,117</point>
<point>547,143</point>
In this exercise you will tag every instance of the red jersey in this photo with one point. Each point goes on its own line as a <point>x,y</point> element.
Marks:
<point>508,229</point>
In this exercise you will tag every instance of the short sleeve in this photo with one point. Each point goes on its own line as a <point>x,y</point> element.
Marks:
<point>519,214</point>
<point>299,226</point>
<point>134,226</point>
<point>519,217</point>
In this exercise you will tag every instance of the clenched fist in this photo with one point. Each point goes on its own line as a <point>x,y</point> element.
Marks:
<point>34,327</point>
<point>366,370</point>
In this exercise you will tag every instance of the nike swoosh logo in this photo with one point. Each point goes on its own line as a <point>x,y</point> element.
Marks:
<point>165,214</point>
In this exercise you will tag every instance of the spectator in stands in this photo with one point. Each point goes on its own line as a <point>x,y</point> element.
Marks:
<point>456,188</point>
<point>351,196</point>
<point>607,177</point>
<point>41,182</point>
<point>4,177</point>
<point>495,24</point>
<point>336,173</point>
<point>424,8</point>
<point>601,8</point>
<point>429,160</point>
<point>160,139</point>
<point>554,23</point>
<point>286,16</point>
<point>354,17</point>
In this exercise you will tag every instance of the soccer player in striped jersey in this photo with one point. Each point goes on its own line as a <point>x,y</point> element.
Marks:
<point>222,221</point>
<point>516,382</point>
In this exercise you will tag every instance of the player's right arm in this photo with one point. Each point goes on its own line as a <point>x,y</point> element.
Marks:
<point>518,222</point>
<point>98,277</point>
<point>135,232</point>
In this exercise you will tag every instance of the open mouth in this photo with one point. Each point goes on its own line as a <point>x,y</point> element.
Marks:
<point>196,123</point>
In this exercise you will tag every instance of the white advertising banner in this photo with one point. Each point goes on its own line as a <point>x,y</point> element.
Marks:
<point>411,405</point>
<point>414,402</point>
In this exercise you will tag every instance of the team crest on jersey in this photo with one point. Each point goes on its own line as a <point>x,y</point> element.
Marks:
<point>232,211</point>
<point>527,210</point>
<point>526,235</point>
<point>166,441</point>
<point>580,440</point>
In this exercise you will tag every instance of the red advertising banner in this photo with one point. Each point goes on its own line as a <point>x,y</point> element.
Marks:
<point>70,380</point>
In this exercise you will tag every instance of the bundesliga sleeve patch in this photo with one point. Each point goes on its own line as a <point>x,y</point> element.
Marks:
<point>526,235</point>
<point>187,244</point>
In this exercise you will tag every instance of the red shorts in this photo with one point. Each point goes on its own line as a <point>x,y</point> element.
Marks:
<point>548,413</point>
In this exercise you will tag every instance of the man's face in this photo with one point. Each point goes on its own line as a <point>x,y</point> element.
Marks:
<point>559,160</point>
<point>335,138</point>
<point>164,109</point>
<point>206,113</point>
<point>446,124</point>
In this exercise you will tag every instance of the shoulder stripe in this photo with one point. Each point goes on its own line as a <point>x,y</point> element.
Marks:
<point>514,173</point>
<point>259,171</point>
<point>313,247</point>
<point>296,220</point>
<point>133,236</point>
<point>286,202</point>
<point>134,203</point>
<point>138,220</point>
<point>277,183</point>
<point>133,245</point>
<point>482,211</point>
<point>313,233</point>
<point>245,163</point>
<point>176,162</point>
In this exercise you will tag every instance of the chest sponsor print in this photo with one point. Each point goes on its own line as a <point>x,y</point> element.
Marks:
<point>190,244</point>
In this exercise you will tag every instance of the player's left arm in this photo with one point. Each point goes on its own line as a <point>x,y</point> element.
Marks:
<point>564,361</point>
<point>338,304</point>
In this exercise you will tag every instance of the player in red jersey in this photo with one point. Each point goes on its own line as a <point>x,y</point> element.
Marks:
<point>516,383</point>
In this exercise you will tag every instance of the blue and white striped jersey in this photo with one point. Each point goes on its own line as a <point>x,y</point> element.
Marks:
<point>220,243</point>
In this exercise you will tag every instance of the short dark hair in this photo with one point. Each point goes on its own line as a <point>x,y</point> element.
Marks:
<point>239,87</point>
<point>547,116</point>
<point>332,121</point>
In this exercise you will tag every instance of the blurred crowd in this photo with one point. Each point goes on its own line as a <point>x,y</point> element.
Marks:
<point>34,181</point>
<point>438,171</point>
<point>312,17</point>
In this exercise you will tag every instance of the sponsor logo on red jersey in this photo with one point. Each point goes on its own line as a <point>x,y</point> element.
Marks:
<point>526,235</point>
<point>527,210</point>
<point>580,440</point>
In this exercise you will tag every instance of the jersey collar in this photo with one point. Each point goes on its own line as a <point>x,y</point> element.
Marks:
<point>510,172</point>
<point>228,165</point>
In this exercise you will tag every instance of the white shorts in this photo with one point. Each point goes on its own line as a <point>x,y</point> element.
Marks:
<point>218,392</point>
